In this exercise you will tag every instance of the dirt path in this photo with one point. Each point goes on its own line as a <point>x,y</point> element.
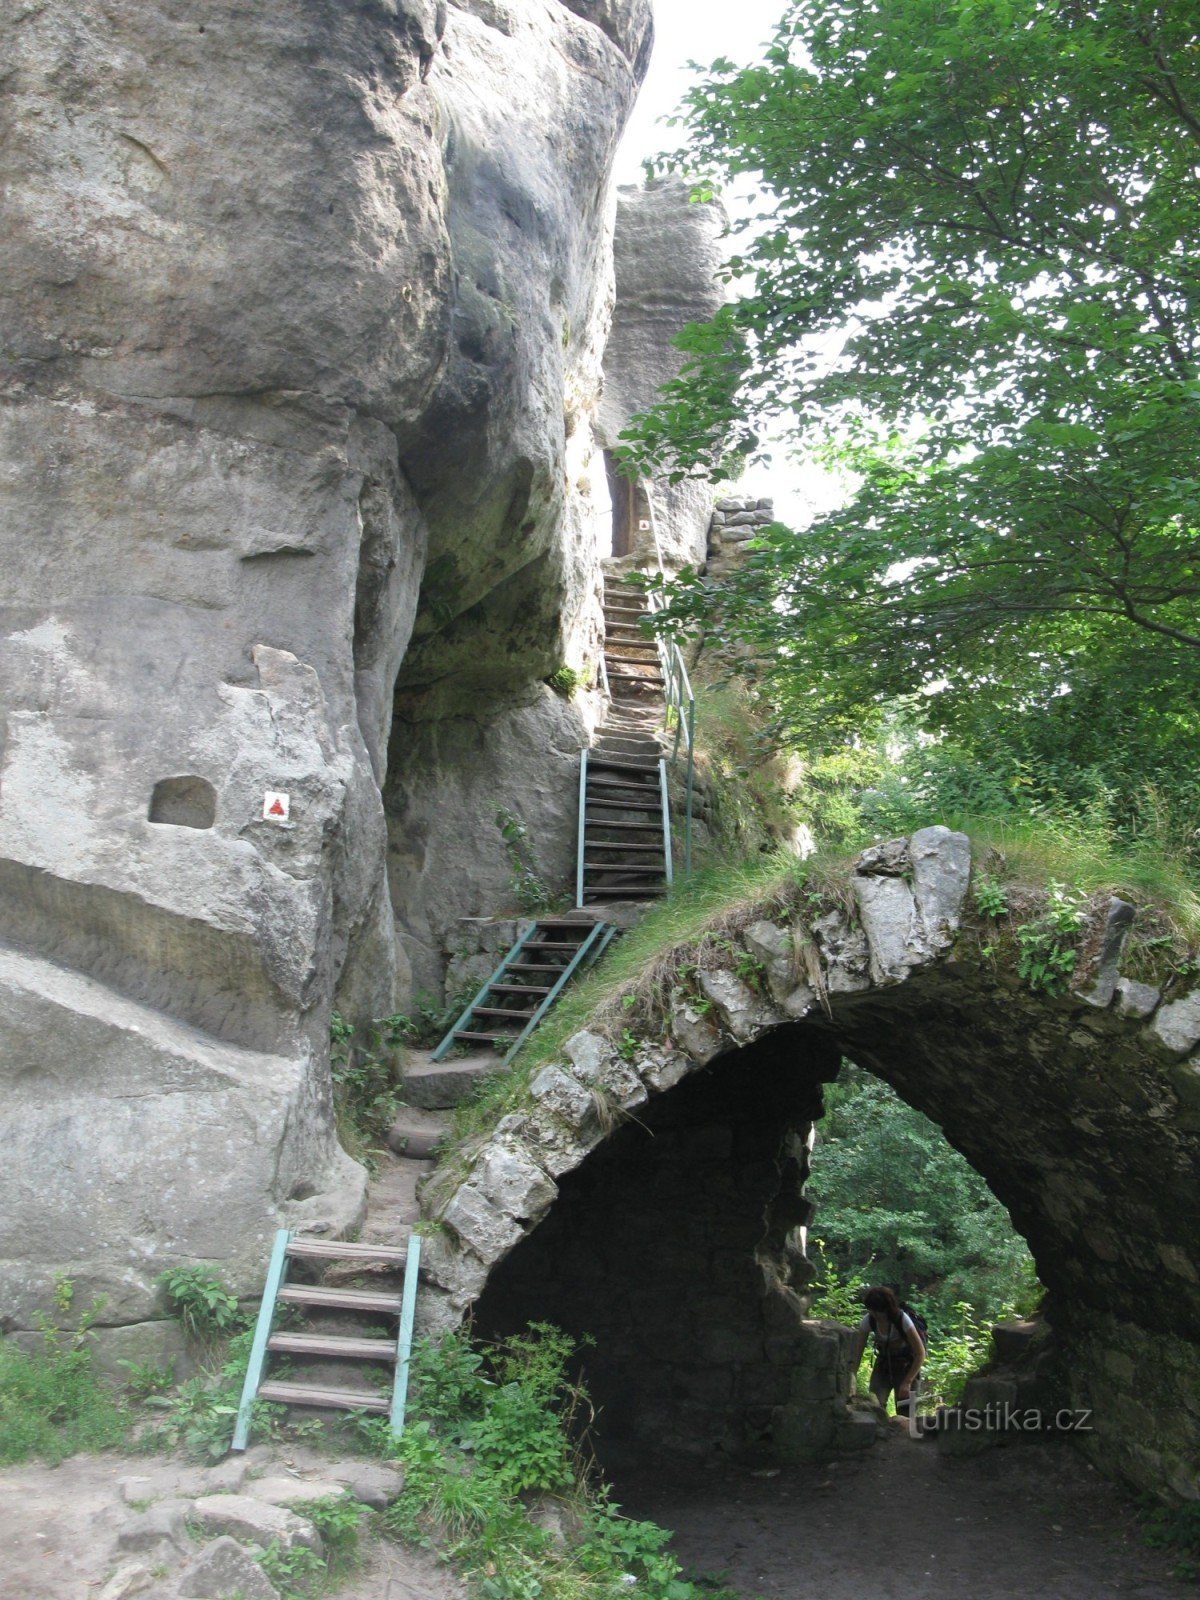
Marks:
<point>899,1521</point>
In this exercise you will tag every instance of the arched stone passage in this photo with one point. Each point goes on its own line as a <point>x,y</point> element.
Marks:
<point>672,1246</point>
<point>1080,1111</point>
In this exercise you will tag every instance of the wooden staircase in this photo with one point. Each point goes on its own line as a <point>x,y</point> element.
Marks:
<point>624,816</point>
<point>386,1353</point>
<point>526,984</point>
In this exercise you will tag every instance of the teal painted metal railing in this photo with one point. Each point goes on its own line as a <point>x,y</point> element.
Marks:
<point>276,1273</point>
<point>668,872</point>
<point>589,949</point>
<point>276,1276</point>
<point>581,835</point>
<point>680,701</point>
<point>512,955</point>
<point>404,1342</point>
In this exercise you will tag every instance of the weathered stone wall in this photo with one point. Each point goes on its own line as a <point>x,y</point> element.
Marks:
<point>1079,1111</point>
<point>735,519</point>
<point>302,314</point>
<point>669,1245</point>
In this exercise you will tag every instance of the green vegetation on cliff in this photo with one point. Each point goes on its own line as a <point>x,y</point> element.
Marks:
<point>975,284</point>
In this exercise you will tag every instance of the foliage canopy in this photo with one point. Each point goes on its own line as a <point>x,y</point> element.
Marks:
<point>977,285</point>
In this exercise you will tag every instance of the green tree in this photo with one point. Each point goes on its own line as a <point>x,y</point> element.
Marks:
<point>978,273</point>
<point>897,1204</point>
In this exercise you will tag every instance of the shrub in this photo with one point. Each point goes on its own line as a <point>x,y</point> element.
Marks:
<point>488,1428</point>
<point>204,1306</point>
<point>52,1404</point>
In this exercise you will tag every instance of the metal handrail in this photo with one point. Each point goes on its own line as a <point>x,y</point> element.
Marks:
<point>581,835</point>
<point>677,691</point>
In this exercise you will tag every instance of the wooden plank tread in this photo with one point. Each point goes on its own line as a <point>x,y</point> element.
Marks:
<point>639,892</point>
<point>623,763</point>
<point>622,866</point>
<point>624,827</point>
<point>497,1011</point>
<point>316,1344</point>
<point>304,1394</point>
<point>485,1038</point>
<point>533,966</point>
<point>518,988</point>
<point>342,1250</point>
<point>622,844</point>
<point>303,1294</point>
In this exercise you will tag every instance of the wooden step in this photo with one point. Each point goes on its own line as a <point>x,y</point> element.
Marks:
<point>553,944</point>
<point>498,1011</point>
<point>616,763</point>
<point>627,783</point>
<point>650,680</point>
<point>623,866</point>
<point>518,988</point>
<point>630,892</point>
<point>303,1294</point>
<point>304,1394</point>
<point>650,659</point>
<point>573,923</point>
<point>623,827</point>
<point>624,872</point>
<point>340,1250</point>
<point>621,844</point>
<point>333,1345</point>
<point>484,1038</point>
<point>533,966</point>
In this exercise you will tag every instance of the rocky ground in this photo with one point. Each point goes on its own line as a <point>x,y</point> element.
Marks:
<point>897,1521</point>
<point>900,1520</point>
<point>115,1527</point>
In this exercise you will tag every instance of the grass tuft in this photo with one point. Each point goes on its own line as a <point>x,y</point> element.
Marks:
<point>52,1404</point>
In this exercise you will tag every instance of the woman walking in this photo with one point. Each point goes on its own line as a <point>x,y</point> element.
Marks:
<point>899,1349</point>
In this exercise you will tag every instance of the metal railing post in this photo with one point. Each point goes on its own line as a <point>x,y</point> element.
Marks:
<point>579,849</point>
<point>678,697</point>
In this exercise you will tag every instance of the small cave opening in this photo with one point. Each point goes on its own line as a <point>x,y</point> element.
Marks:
<point>622,512</point>
<point>184,802</point>
<point>676,1251</point>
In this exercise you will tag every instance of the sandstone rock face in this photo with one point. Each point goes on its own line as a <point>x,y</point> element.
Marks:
<point>303,310</point>
<point>1081,1117</point>
<point>667,259</point>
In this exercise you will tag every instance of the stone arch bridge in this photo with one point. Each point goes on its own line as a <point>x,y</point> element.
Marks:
<point>654,1197</point>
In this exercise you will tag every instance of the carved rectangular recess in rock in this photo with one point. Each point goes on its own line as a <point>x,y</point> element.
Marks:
<point>185,802</point>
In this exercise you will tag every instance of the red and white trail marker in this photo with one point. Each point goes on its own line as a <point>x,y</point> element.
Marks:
<point>276,806</point>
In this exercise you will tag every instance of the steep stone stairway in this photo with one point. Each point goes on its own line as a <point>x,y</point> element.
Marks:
<point>357,1315</point>
<point>625,838</point>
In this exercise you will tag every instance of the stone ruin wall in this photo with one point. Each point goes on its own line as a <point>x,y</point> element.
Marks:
<point>1081,1111</point>
<point>735,519</point>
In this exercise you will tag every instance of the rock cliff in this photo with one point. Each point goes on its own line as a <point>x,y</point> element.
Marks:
<point>303,315</point>
<point>668,257</point>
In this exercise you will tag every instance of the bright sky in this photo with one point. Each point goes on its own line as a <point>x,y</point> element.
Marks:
<point>701,31</point>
